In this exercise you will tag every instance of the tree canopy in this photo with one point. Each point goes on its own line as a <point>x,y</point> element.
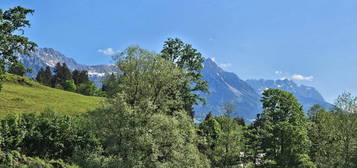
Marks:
<point>12,42</point>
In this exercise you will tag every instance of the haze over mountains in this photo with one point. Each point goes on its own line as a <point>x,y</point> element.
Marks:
<point>225,87</point>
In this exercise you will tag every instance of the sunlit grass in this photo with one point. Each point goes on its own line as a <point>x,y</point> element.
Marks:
<point>22,95</point>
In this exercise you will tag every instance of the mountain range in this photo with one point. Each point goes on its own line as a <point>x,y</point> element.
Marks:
<point>225,87</point>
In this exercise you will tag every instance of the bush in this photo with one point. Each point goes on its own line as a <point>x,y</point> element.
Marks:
<point>15,159</point>
<point>47,135</point>
<point>70,86</point>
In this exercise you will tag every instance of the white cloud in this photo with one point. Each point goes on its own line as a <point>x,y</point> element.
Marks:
<point>108,51</point>
<point>278,72</point>
<point>301,77</point>
<point>226,65</point>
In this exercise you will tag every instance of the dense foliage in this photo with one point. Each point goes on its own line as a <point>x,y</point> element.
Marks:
<point>12,24</point>
<point>147,119</point>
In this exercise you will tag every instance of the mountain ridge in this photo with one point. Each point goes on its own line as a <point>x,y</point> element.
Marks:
<point>225,87</point>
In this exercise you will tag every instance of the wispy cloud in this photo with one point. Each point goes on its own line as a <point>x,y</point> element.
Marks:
<point>225,65</point>
<point>301,77</point>
<point>278,72</point>
<point>108,51</point>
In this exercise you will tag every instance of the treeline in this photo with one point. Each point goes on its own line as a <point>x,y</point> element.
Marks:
<point>76,81</point>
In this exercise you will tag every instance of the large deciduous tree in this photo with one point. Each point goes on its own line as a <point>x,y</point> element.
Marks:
<point>146,124</point>
<point>12,24</point>
<point>188,58</point>
<point>285,142</point>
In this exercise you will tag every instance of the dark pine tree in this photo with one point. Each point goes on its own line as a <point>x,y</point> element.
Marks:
<point>62,74</point>
<point>47,76</point>
<point>40,76</point>
<point>83,77</point>
<point>67,75</point>
<point>75,76</point>
<point>56,79</point>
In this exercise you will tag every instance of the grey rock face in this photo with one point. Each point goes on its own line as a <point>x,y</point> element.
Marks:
<point>227,87</point>
<point>306,95</point>
<point>43,57</point>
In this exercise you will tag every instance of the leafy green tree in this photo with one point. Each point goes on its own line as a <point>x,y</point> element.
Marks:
<point>146,125</point>
<point>346,113</point>
<point>254,149</point>
<point>188,58</point>
<point>285,143</point>
<point>88,89</point>
<point>12,24</point>
<point>18,68</point>
<point>70,86</point>
<point>223,141</point>
<point>144,75</point>
<point>326,148</point>
<point>210,130</point>
<point>48,136</point>
<point>110,85</point>
<point>229,109</point>
<point>15,159</point>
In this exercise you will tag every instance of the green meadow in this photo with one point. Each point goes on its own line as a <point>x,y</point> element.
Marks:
<point>23,95</point>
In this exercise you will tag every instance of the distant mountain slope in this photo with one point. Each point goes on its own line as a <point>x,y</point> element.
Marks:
<point>22,95</point>
<point>306,95</point>
<point>227,87</point>
<point>43,57</point>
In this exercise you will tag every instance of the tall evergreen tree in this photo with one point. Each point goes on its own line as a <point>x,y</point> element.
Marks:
<point>62,74</point>
<point>83,77</point>
<point>67,75</point>
<point>75,76</point>
<point>40,76</point>
<point>47,76</point>
<point>58,74</point>
<point>80,77</point>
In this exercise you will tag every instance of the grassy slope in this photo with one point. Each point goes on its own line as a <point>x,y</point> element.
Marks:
<point>22,95</point>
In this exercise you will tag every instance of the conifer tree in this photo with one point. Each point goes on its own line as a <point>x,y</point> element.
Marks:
<point>40,76</point>
<point>47,76</point>
<point>62,74</point>
<point>75,76</point>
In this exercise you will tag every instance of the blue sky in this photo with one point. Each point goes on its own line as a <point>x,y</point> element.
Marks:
<point>313,42</point>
